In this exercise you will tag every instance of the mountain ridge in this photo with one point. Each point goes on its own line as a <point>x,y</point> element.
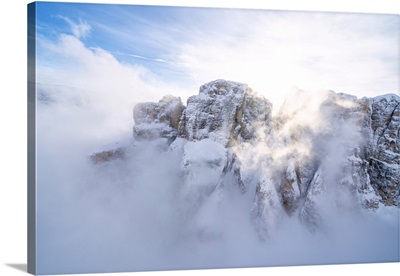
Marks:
<point>333,146</point>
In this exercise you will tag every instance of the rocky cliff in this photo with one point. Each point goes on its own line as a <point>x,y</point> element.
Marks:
<point>319,152</point>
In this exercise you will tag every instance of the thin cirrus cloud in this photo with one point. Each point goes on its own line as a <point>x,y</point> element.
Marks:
<point>139,57</point>
<point>79,30</point>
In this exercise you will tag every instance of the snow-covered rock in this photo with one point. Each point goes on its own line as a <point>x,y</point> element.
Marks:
<point>107,155</point>
<point>321,151</point>
<point>109,152</point>
<point>225,112</point>
<point>157,120</point>
<point>384,149</point>
<point>202,167</point>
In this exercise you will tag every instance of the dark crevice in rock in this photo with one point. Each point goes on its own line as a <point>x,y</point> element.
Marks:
<point>387,123</point>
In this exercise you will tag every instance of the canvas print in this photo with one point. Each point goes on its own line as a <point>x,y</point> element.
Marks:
<point>178,138</point>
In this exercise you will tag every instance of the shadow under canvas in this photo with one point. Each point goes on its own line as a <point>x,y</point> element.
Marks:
<point>21,267</point>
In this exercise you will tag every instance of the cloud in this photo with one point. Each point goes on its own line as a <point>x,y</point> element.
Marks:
<point>272,51</point>
<point>85,100</point>
<point>79,30</point>
<point>276,51</point>
<point>93,82</point>
<point>140,57</point>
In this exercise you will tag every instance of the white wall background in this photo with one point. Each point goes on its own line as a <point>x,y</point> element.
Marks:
<point>13,130</point>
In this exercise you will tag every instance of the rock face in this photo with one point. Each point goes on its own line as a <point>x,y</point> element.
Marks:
<point>352,152</point>
<point>155,120</point>
<point>318,152</point>
<point>107,155</point>
<point>214,124</point>
<point>384,148</point>
<point>225,112</point>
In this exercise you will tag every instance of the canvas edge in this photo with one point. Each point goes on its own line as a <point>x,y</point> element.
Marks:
<point>31,137</point>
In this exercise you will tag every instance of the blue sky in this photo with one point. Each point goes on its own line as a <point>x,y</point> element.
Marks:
<point>182,48</point>
<point>145,35</point>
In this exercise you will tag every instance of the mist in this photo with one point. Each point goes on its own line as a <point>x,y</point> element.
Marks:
<point>138,214</point>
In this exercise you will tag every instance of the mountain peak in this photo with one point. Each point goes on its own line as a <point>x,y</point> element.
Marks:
<point>334,147</point>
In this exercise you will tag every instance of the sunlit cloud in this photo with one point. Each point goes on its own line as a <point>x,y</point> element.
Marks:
<point>275,52</point>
